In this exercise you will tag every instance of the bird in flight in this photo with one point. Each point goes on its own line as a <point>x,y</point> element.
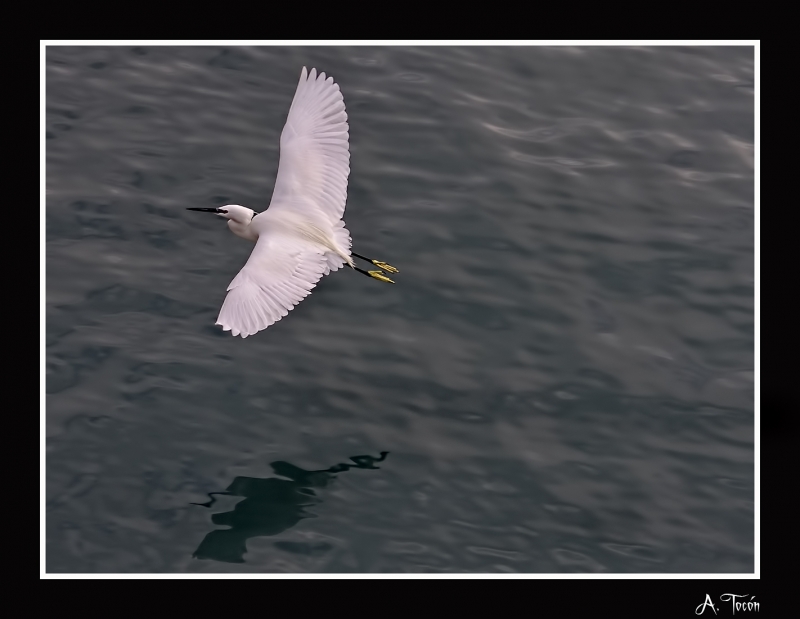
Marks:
<point>301,236</point>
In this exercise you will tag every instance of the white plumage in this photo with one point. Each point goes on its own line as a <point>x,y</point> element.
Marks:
<point>301,236</point>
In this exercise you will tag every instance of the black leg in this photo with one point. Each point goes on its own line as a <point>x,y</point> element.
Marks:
<point>375,275</point>
<point>378,263</point>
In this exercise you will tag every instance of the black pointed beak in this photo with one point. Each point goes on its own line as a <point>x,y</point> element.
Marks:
<point>205,210</point>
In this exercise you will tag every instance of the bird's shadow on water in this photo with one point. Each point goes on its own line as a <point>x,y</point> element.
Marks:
<point>270,506</point>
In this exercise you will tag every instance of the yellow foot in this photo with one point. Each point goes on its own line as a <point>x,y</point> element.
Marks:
<point>379,276</point>
<point>386,267</point>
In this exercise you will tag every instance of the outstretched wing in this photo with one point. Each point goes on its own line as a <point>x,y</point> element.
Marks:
<point>279,274</point>
<point>314,160</point>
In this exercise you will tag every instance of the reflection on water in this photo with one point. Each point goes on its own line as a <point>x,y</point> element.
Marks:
<point>270,506</point>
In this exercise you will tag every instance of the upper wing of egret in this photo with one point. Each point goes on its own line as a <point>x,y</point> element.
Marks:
<point>279,274</point>
<point>314,156</point>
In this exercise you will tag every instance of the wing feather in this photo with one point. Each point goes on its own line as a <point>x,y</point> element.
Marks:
<point>279,274</point>
<point>315,157</point>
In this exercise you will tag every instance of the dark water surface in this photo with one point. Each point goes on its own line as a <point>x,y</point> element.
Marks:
<point>561,380</point>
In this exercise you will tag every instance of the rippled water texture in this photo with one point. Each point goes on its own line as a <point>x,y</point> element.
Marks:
<point>561,380</point>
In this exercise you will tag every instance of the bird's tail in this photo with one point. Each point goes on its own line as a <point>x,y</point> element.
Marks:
<point>341,237</point>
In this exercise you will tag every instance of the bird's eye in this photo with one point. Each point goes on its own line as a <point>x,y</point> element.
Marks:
<point>225,212</point>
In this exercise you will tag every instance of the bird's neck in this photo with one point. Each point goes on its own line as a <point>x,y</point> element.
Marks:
<point>245,231</point>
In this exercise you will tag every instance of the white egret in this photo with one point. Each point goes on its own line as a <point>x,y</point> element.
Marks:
<point>301,236</point>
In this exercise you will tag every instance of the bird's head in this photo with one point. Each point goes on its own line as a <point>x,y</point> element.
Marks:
<point>239,214</point>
